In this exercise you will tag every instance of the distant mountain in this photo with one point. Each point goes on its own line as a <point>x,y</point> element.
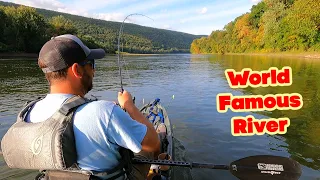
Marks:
<point>136,38</point>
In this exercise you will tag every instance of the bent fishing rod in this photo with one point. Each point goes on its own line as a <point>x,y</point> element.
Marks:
<point>261,167</point>
<point>119,37</point>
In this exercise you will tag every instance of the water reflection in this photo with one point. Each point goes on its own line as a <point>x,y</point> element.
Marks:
<point>195,80</point>
<point>303,134</point>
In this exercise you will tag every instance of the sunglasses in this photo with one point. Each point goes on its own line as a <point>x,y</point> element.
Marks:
<point>88,61</point>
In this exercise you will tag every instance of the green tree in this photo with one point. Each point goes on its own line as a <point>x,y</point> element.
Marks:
<point>256,13</point>
<point>25,29</point>
<point>287,3</point>
<point>302,25</point>
<point>271,26</point>
<point>231,39</point>
<point>194,48</point>
<point>3,21</point>
<point>61,25</point>
<point>271,20</point>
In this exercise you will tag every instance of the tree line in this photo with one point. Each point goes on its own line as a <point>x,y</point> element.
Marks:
<point>26,29</point>
<point>22,29</point>
<point>270,26</point>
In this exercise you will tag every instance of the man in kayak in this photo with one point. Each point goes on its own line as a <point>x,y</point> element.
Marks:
<point>100,127</point>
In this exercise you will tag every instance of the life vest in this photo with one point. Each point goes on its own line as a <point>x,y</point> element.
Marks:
<point>49,145</point>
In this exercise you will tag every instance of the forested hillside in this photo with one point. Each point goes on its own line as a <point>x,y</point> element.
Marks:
<point>271,26</point>
<point>25,29</point>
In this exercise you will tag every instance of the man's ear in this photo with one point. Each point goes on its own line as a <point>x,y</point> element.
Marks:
<point>77,70</point>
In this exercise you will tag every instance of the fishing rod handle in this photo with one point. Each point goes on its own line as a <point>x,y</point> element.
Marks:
<point>179,163</point>
<point>161,162</point>
<point>210,166</point>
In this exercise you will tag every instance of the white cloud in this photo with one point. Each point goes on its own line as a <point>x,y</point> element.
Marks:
<point>53,5</point>
<point>166,26</point>
<point>255,1</point>
<point>182,21</point>
<point>46,4</point>
<point>204,10</point>
<point>109,16</point>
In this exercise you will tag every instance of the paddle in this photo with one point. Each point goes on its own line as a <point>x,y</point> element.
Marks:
<point>262,167</point>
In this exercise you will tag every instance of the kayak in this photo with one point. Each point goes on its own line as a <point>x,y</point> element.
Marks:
<point>158,116</point>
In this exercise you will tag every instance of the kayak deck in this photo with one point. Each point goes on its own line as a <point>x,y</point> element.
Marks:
<point>158,116</point>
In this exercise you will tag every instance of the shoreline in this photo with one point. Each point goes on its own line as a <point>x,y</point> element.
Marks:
<point>307,55</point>
<point>35,56</point>
<point>18,55</point>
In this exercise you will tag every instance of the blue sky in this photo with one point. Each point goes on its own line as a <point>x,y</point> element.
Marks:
<point>190,16</point>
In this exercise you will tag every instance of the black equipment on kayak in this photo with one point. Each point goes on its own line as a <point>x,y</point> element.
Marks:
<point>261,167</point>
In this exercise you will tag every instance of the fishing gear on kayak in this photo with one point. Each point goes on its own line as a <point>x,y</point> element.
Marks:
<point>158,116</point>
<point>154,113</point>
<point>262,167</point>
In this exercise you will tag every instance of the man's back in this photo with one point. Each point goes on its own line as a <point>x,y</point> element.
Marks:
<point>100,128</point>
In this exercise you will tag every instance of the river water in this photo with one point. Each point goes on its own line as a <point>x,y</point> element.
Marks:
<point>187,86</point>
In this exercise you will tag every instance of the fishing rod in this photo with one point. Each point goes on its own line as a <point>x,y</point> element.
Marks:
<point>261,167</point>
<point>119,37</point>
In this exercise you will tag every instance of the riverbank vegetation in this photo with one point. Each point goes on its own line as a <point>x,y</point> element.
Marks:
<point>271,26</point>
<point>25,29</point>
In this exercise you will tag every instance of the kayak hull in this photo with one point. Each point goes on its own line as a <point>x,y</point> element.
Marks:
<point>158,116</point>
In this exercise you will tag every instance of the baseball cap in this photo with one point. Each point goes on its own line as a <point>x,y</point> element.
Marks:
<point>62,51</point>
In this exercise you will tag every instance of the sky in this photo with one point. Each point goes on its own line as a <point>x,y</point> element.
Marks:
<point>198,17</point>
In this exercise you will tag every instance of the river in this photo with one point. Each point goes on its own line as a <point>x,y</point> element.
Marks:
<point>188,85</point>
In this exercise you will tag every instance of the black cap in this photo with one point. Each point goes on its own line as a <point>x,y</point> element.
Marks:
<point>63,51</point>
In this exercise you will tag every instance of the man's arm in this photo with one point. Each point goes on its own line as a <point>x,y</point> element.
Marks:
<point>150,142</point>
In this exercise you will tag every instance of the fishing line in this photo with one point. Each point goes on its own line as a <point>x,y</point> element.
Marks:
<point>127,71</point>
<point>119,52</point>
